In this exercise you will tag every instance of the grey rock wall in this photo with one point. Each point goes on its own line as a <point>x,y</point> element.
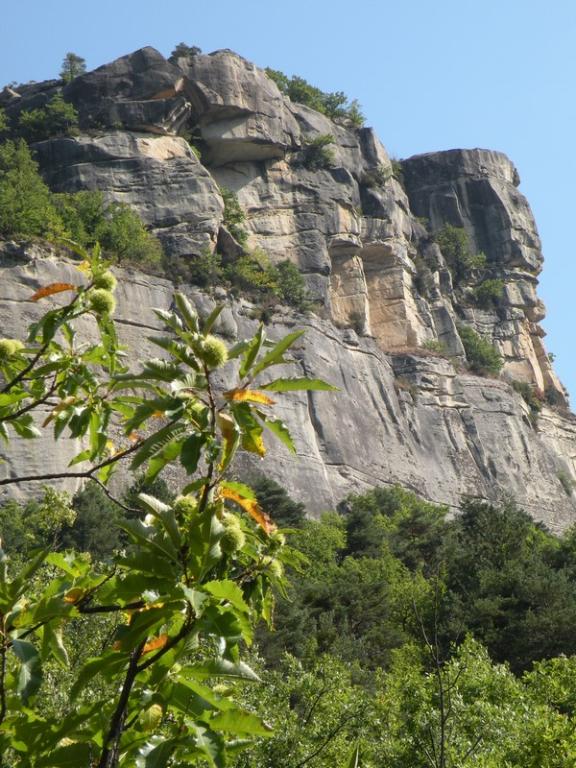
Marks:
<point>362,232</point>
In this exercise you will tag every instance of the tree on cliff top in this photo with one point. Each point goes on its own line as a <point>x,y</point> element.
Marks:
<point>72,66</point>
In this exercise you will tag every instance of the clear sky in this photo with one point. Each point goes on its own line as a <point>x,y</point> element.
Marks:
<point>498,74</point>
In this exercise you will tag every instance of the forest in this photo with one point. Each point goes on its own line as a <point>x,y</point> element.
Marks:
<point>221,626</point>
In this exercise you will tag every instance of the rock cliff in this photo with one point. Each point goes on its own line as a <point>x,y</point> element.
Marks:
<point>371,238</point>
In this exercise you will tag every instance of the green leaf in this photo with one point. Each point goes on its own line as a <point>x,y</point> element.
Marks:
<point>240,722</point>
<point>223,668</point>
<point>187,311</point>
<point>275,356</point>
<point>52,643</point>
<point>191,451</point>
<point>227,590</point>
<point>156,442</point>
<point>211,319</point>
<point>252,349</point>
<point>280,430</point>
<point>298,385</point>
<point>70,756</point>
<point>30,674</point>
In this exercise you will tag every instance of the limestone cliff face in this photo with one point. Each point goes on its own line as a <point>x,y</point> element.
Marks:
<point>365,243</point>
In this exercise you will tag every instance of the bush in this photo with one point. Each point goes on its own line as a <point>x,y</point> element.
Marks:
<point>378,176</point>
<point>292,286</point>
<point>57,118</point>
<point>317,156</point>
<point>4,127</point>
<point>182,50</point>
<point>26,206</point>
<point>123,233</point>
<point>81,213</point>
<point>455,247</point>
<point>234,216</point>
<point>482,357</point>
<point>334,105</point>
<point>531,396</point>
<point>488,293</point>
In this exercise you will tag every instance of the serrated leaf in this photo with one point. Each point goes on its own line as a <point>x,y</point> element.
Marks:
<point>156,442</point>
<point>241,723</point>
<point>253,347</point>
<point>298,385</point>
<point>30,673</point>
<point>248,395</point>
<point>275,356</point>
<point>280,430</point>
<point>191,452</point>
<point>225,589</point>
<point>50,290</point>
<point>187,311</point>
<point>208,323</point>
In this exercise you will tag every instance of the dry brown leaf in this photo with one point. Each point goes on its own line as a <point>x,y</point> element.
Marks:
<point>50,290</point>
<point>250,506</point>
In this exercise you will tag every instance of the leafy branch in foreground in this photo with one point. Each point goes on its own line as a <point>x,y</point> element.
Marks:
<point>196,576</point>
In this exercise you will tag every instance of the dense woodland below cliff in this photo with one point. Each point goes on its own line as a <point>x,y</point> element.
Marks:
<point>378,626</point>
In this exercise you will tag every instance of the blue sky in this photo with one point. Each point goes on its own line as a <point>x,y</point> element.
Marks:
<point>498,74</point>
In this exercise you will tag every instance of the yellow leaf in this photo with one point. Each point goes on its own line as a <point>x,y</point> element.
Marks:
<point>70,400</point>
<point>84,267</point>
<point>155,644</point>
<point>248,396</point>
<point>74,595</point>
<point>50,290</point>
<point>250,506</point>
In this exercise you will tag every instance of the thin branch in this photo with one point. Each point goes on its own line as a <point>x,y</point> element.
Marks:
<point>88,473</point>
<point>32,405</point>
<point>111,748</point>
<point>327,740</point>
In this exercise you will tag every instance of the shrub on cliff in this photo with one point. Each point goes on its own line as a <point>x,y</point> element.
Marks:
<point>483,358</point>
<point>26,206</point>
<point>332,104</point>
<point>317,155</point>
<point>57,118</point>
<point>72,66</point>
<point>455,246</point>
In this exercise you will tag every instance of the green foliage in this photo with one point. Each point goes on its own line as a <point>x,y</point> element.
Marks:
<point>204,270</point>
<point>317,155</point>
<point>276,502</point>
<point>482,357</point>
<point>72,66</point>
<point>234,216</point>
<point>122,232</point>
<point>455,246</point>
<point>254,275</point>
<point>183,50</point>
<point>378,176</point>
<point>531,396</point>
<point>488,293</point>
<point>335,105</point>
<point>435,345</point>
<point>26,206</point>
<point>180,597</point>
<point>4,127</point>
<point>57,118</point>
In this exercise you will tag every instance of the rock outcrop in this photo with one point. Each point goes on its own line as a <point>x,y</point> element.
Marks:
<point>365,234</point>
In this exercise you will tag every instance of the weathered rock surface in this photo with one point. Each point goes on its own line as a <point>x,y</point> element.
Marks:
<point>362,231</point>
<point>397,418</point>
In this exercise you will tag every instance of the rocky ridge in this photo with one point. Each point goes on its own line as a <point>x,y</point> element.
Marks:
<point>363,233</point>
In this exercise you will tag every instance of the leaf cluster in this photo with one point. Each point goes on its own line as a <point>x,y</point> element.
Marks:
<point>483,358</point>
<point>334,105</point>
